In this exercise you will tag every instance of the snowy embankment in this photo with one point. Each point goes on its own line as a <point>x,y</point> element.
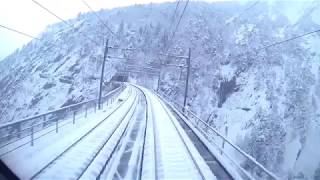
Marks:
<point>27,160</point>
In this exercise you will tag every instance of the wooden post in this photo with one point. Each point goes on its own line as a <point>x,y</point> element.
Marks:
<point>86,112</point>
<point>102,73</point>
<point>187,81</point>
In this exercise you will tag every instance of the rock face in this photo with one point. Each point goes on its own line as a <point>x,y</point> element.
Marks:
<point>269,98</point>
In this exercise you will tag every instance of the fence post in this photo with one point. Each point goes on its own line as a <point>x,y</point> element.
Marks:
<point>206,129</point>
<point>19,130</point>
<point>159,77</point>
<point>226,134</point>
<point>74,117</point>
<point>86,112</point>
<point>95,107</point>
<point>101,106</point>
<point>44,121</point>
<point>32,135</point>
<point>57,121</point>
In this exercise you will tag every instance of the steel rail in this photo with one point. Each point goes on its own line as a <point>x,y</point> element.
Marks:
<point>28,128</point>
<point>141,160</point>
<point>28,142</point>
<point>269,173</point>
<point>76,142</point>
<point>118,142</point>
<point>154,125</point>
<point>144,136</point>
<point>205,135</point>
<point>111,135</point>
<point>36,131</point>
<point>60,109</point>
<point>154,128</point>
<point>184,142</point>
<point>31,133</point>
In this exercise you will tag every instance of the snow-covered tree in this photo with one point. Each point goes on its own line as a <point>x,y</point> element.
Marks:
<point>265,142</point>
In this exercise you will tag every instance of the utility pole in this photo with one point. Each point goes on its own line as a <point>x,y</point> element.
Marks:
<point>102,73</point>
<point>187,81</point>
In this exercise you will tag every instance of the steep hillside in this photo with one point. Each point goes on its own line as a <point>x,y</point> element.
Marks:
<point>269,99</point>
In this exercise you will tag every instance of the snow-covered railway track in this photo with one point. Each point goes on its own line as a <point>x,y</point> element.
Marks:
<point>171,152</point>
<point>201,174</point>
<point>78,159</point>
<point>126,159</point>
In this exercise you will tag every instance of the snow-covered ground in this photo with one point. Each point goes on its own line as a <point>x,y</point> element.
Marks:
<point>27,160</point>
<point>176,157</point>
<point>97,145</point>
<point>277,87</point>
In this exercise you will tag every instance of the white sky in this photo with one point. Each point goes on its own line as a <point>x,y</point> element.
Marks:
<point>26,16</point>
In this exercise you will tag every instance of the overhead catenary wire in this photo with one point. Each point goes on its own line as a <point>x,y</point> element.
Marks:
<point>98,17</point>
<point>28,35</point>
<point>174,32</point>
<point>287,40</point>
<point>174,15</point>
<point>19,32</point>
<point>64,21</point>
<point>249,7</point>
<point>177,26</point>
<point>242,12</point>
<point>277,43</point>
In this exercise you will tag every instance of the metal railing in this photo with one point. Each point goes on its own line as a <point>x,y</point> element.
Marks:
<point>213,136</point>
<point>14,131</point>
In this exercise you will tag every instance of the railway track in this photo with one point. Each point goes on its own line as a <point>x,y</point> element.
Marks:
<point>140,139</point>
<point>126,161</point>
<point>78,157</point>
<point>172,157</point>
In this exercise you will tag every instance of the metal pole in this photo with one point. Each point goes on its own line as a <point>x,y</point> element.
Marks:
<point>57,125</point>
<point>32,135</point>
<point>187,81</point>
<point>226,134</point>
<point>74,117</point>
<point>44,121</point>
<point>102,73</point>
<point>19,130</point>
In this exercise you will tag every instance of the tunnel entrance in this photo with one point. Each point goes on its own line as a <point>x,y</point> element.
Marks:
<point>121,77</point>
